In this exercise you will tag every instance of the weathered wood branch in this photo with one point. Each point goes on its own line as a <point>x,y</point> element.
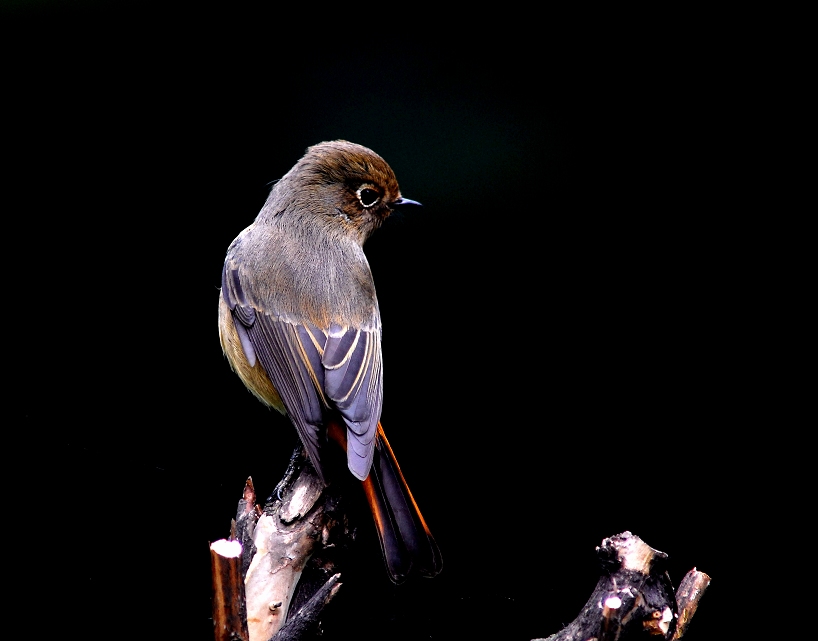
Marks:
<point>229,603</point>
<point>306,619</point>
<point>292,551</point>
<point>688,595</point>
<point>634,598</point>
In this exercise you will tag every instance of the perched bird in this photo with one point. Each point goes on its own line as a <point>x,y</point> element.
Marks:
<point>300,325</point>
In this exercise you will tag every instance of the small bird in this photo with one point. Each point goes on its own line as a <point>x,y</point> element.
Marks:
<point>299,323</point>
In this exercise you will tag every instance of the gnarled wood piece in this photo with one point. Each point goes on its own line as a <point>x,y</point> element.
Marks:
<point>688,594</point>
<point>288,560</point>
<point>634,597</point>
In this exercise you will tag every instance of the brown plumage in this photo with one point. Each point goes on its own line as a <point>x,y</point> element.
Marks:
<point>300,325</point>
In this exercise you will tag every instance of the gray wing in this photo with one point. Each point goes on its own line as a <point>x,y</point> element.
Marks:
<point>353,375</point>
<point>314,369</point>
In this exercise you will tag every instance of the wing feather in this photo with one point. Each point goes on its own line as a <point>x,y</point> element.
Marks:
<point>313,369</point>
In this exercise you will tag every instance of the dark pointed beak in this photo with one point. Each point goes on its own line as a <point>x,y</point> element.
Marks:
<point>405,202</point>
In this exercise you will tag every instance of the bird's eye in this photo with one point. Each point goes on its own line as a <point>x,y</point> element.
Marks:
<point>368,196</point>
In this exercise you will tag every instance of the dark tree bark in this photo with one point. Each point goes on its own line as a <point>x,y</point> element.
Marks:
<point>292,554</point>
<point>634,598</point>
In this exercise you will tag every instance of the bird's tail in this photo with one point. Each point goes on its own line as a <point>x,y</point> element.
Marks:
<point>408,545</point>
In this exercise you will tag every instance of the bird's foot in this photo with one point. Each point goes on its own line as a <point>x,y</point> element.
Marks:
<point>297,459</point>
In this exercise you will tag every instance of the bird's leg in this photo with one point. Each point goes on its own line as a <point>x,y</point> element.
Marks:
<point>295,465</point>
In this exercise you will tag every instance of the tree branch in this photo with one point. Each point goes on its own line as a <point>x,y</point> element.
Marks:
<point>289,559</point>
<point>634,598</point>
<point>275,586</point>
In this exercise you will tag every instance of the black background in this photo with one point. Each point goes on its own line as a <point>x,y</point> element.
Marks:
<point>558,324</point>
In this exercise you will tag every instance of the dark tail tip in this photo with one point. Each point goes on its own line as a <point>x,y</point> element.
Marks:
<point>407,544</point>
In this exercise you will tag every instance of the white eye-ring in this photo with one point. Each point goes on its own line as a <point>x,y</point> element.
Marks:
<point>368,195</point>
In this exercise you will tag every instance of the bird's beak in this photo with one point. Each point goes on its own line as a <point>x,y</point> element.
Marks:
<point>405,202</point>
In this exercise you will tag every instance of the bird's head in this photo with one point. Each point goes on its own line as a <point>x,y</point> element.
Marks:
<point>348,187</point>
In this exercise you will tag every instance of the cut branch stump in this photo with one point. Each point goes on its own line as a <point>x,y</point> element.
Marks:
<point>634,598</point>
<point>281,567</point>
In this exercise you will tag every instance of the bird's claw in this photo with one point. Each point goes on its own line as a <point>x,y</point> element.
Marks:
<point>293,467</point>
